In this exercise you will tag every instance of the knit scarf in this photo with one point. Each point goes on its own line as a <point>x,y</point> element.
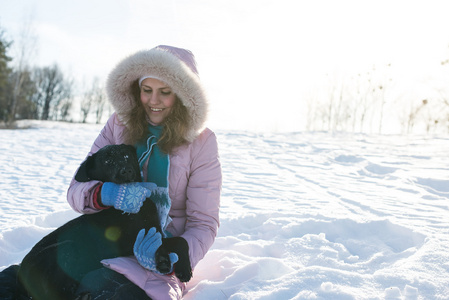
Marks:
<point>157,172</point>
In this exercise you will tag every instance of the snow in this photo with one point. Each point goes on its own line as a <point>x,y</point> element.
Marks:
<point>303,215</point>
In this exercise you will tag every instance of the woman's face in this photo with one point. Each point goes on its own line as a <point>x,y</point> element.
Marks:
<point>157,99</point>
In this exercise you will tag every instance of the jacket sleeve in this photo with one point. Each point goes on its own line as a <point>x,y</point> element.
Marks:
<point>80,194</point>
<point>203,199</point>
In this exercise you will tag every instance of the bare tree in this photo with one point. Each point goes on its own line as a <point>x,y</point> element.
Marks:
<point>86,104</point>
<point>25,49</point>
<point>63,106</point>
<point>367,103</point>
<point>353,103</point>
<point>380,92</point>
<point>63,109</point>
<point>5,72</point>
<point>331,104</point>
<point>100,101</point>
<point>51,89</point>
<point>93,99</point>
<point>312,111</point>
<point>445,100</point>
<point>358,99</point>
<point>440,111</point>
<point>412,117</point>
<point>25,108</point>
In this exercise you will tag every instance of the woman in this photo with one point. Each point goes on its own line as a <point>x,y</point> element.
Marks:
<point>160,107</point>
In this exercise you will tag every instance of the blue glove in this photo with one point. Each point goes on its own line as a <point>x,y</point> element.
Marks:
<point>145,249</point>
<point>128,197</point>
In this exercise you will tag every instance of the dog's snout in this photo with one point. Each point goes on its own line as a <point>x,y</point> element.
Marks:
<point>127,173</point>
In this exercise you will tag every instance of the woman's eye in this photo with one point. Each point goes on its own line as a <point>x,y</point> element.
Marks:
<point>166,93</point>
<point>147,91</point>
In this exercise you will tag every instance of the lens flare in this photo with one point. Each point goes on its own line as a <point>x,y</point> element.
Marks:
<point>113,233</point>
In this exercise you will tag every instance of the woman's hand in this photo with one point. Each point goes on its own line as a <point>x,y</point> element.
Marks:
<point>145,249</point>
<point>128,197</point>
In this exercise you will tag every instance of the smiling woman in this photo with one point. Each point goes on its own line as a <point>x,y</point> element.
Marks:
<point>157,99</point>
<point>160,108</point>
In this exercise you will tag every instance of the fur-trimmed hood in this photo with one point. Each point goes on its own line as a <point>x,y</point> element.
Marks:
<point>174,66</point>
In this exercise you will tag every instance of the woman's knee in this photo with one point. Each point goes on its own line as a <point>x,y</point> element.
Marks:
<point>104,284</point>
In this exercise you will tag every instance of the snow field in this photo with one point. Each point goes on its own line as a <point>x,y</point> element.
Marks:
<point>303,215</point>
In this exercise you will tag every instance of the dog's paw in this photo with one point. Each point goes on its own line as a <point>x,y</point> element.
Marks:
<point>163,264</point>
<point>183,271</point>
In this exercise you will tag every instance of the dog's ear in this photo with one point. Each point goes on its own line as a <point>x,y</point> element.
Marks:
<point>82,175</point>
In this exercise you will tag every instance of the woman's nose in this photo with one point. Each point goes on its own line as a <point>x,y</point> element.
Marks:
<point>154,99</point>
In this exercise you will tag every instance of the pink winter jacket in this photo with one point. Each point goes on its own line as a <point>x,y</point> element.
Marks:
<point>194,188</point>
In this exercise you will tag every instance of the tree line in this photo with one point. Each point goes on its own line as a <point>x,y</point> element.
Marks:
<point>41,93</point>
<point>374,101</point>
<point>363,102</point>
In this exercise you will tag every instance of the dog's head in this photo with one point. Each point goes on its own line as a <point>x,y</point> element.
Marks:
<point>112,163</point>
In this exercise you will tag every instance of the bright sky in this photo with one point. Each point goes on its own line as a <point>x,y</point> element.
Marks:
<point>257,58</point>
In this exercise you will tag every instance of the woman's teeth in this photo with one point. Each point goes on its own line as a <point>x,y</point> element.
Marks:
<point>156,109</point>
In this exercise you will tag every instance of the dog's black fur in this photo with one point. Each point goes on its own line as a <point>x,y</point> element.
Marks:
<point>56,264</point>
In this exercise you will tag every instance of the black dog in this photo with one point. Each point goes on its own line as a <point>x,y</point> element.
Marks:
<point>56,264</point>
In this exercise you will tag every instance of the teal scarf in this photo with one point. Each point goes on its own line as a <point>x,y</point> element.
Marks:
<point>157,172</point>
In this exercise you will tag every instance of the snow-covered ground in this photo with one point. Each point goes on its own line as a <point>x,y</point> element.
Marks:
<point>304,215</point>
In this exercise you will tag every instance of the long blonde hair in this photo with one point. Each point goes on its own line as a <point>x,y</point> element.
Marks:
<point>175,125</point>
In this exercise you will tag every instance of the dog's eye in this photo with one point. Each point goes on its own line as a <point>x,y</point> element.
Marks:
<point>108,162</point>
